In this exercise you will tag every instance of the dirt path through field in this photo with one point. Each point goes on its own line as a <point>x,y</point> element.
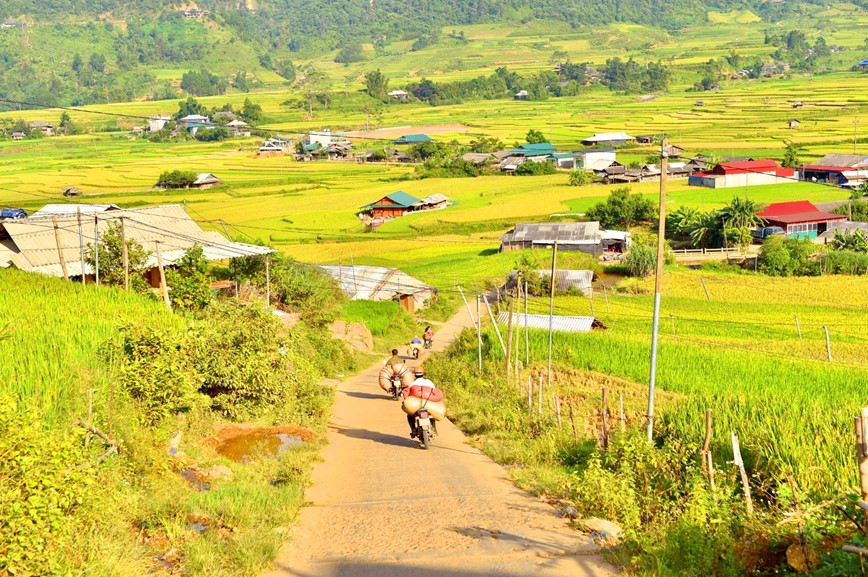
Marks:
<point>380,506</point>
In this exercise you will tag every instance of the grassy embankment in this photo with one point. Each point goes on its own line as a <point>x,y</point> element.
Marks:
<point>738,354</point>
<point>62,510</point>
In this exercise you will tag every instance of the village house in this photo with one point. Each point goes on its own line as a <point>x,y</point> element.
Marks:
<point>831,167</point>
<point>608,139</point>
<point>843,227</point>
<point>537,152</point>
<point>156,123</point>
<point>401,95</point>
<point>381,284</point>
<point>412,139</point>
<point>478,158</point>
<point>45,128</point>
<point>400,203</point>
<point>521,95</point>
<point>793,123</point>
<point>18,136</point>
<point>800,219</point>
<point>238,128</point>
<point>339,150</point>
<point>586,237</point>
<point>29,245</point>
<point>274,145</point>
<point>743,173</point>
<point>192,123</point>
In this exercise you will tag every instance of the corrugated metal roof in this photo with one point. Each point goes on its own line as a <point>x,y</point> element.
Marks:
<point>561,324</point>
<point>67,209</point>
<point>34,246</point>
<point>375,283</point>
<point>547,233</point>
<point>845,226</point>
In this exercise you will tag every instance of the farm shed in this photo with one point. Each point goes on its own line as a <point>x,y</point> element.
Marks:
<point>30,244</point>
<point>793,123</point>
<point>521,95</point>
<point>412,139</point>
<point>561,324</point>
<point>206,180</point>
<point>593,158</point>
<point>478,158</point>
<point>399,95</point>
<point>743,173</point>
<point>586,237</point>
<point>608,139</point>
<point>374,283</point>
<point>848,160</point>
<point>845,227</point>
<point>823,173</point>
<point>391,206</point>
<point>801,219</point>
<point>434,201</point>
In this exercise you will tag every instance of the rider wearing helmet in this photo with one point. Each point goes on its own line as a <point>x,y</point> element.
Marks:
<point>420,381</point>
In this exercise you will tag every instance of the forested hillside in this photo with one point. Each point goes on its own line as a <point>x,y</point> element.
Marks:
<point>92,51</point>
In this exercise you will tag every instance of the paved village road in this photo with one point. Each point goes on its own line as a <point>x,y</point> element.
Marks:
<point>381,506</point>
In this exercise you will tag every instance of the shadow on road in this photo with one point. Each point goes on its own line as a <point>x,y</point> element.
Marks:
<point>577,566</point>
<point>361,395</point>
<point>375,436</point>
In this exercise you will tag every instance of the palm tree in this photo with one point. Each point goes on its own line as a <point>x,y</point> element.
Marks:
<point>704,228</point>
<point>680,221</point>
<point>740,215</point>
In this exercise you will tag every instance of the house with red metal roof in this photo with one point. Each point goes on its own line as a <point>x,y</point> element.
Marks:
<point>800,219</point>
<point>743,173</point>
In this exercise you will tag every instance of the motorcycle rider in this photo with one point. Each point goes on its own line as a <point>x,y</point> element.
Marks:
<point>395,360</point>
<point>420,381</point>
<point>428,336</point>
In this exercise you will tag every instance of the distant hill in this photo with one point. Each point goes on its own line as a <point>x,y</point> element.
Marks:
<point>91,51</point>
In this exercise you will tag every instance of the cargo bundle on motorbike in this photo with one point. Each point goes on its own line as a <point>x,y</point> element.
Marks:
<point>391,379</point>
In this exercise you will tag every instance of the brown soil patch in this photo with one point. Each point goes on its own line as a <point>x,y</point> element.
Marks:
<point>228,432</point>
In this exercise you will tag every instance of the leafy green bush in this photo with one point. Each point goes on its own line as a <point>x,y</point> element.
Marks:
<point>43,480</point>
<point>111,262</point>
<point>581,177</point>
<point>623,209</point>
<point>845,262</point>
<point>216,134</point>
<point>536,169</point>
<point>176,179</point>
<point>641,260</point>
<point>301,287</point>
<point>781,256</point>
<point>189,283</point>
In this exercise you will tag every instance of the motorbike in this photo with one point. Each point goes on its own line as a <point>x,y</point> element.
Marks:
<point>428,343</point>
<point>396,388</point>
<point>413,350</point>
<point>424,429</point>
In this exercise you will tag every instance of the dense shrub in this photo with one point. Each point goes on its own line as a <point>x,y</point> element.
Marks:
<point>189,283</point>
<point>536,169</point>
<point>623,209</point>
<point>176,179</point>
<point>111,262</point>
<point>845,262</point>
<point>641,260</point>
<point>44,480</point>
<point>781,256</point>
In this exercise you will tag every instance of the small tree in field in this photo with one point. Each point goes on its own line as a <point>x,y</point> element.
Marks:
<point>176,179</point>
<point>111,261</point>
<point>535,137</point>
<point>641,260</point>
<point>581,177</point>
<point>189,283</point>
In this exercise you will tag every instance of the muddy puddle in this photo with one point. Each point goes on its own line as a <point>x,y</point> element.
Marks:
<point>245,444</point>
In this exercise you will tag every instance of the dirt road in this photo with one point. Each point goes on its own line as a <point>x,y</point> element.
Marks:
<point>380,506</point>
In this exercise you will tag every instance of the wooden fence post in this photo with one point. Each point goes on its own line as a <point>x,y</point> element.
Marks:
<point>494,322</point>
<point>621,412</point>
<point>862,457</point>
<point>745,485</point>
<point>707,296</point>
<point>573,424</point>
<point>558,412</point>
<point>707,462</point>
<point>828,343</point>
<point>605,420</point>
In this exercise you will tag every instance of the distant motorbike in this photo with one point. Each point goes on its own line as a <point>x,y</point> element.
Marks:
<point>428,343</point>
<point>413,350</point>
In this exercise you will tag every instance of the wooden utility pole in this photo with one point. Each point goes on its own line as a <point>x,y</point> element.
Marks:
<point>828,343</point>
<point>526,334</point>
<point>466,304</point>
<point>604,412</point>
<point>661,233</point>
<point>59,248</point>
<point>554,284</point>
<point>164,288</point>
<point>125,255</point>
<point>80,243</point>
<point>798,327</point>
